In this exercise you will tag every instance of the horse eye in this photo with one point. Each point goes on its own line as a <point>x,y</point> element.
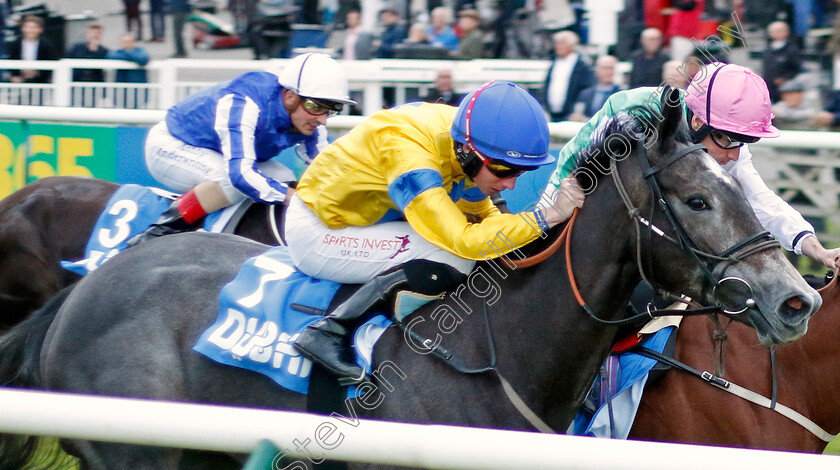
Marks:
<point>697,204</point>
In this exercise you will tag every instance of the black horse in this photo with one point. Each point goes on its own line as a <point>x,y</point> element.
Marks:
<point>51,220</point>
<point>128,328</point>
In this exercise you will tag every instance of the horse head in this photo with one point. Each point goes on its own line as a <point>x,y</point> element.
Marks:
<point>695,232</point>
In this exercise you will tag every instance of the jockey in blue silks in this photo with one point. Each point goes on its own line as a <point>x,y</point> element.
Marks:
<point>217,145</point>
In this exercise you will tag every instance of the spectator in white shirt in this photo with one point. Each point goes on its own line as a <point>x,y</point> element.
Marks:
<point>566,78</point>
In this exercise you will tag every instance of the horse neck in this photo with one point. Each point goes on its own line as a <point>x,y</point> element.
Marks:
<point>560,356</point>
<point>804,368</point>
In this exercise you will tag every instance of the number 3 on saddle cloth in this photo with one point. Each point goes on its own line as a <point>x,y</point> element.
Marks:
<point>262,312</point>
<point>130,211</point>
<point>619,387</point>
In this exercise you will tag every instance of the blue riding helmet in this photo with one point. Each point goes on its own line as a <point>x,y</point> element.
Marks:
<point>503,122</point>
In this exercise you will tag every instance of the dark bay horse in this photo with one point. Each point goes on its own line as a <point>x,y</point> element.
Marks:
<point>128,328</point>
<point>51,220</point>
<point>681,408</point>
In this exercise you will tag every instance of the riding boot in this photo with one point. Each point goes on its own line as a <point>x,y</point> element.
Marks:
<point>183,215</point>
<point>326,342</point>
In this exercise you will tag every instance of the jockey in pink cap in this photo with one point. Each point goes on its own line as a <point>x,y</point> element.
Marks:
<point>727,106</point>
<point>731,105</point>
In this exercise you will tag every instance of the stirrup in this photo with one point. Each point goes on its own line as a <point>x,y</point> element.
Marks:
<point>348,381</point>
<point>155,231</point>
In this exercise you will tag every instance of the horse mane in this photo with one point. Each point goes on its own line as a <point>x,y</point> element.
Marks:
<point>618,136</point>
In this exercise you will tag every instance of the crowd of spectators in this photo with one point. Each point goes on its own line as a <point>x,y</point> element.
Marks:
<point>32,45</point>
<point>656,43</point>
<point>664,46</point>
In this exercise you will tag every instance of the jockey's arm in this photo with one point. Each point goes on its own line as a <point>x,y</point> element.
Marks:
<point>236,122</point>
<point>439,220</point>
<point>774,213</point>
<point>415,185</point>
<point>778,217</point>
<point>647,97</point>
<point>483,208</point>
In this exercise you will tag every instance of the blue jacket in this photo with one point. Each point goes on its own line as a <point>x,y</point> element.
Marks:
<point>244,120</point>
<point>179,6</point>
<point>587,96</point>
<point>445,39</point>
<point>137,55</point>
<point>393,35</point>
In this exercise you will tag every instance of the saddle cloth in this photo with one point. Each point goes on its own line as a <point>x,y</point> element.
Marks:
<point>130,211</point>
<point>628,373</point>
<point>260,317</point>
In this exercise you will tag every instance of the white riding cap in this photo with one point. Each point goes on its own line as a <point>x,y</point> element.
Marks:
<point>315,75</point>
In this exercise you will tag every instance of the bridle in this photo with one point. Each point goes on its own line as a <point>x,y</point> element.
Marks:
<point>713,265</point>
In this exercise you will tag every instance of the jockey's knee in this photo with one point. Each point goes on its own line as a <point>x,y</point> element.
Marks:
<point>232,194</point>
<point>430,277</point>
<point>212,196</point>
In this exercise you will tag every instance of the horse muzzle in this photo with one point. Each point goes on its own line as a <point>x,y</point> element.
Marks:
<point>784,316</point>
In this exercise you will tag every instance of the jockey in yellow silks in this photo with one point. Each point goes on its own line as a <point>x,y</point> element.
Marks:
<point>385,205</point>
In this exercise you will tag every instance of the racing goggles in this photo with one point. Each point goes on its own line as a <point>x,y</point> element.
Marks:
<point>503,170</point>
<point>319,108</point>
<point>498,168</point>
<point>728,141</point>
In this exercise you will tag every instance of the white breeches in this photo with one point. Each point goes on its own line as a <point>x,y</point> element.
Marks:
<point>181,166</point>
<point>354,254</point>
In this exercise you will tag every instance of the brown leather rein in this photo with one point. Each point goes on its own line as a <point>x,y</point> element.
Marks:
<point>565,237</point>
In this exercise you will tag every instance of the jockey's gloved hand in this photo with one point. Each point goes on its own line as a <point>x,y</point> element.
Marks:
<point>568,198</point>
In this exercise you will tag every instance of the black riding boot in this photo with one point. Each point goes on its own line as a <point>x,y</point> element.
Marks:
<point>326,341</point>
<point>171,221</point>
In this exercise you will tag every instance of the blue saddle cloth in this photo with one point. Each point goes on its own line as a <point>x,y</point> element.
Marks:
<point>130,211</point>
<point>257,325</point>
<point>629,374</point>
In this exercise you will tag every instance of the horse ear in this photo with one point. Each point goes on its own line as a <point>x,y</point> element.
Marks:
<point>672,113</point>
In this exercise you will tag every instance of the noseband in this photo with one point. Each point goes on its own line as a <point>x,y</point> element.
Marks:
<point>712,265</point>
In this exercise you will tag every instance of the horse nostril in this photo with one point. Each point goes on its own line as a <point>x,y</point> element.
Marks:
<point>796,303</point>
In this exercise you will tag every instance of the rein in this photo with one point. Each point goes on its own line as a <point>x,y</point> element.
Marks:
<point>240,212</point>
<point>713,267</point>
<point>449,358</point>
<point>272,223</point>
<point>550,250</point>
<point>742,392</point>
